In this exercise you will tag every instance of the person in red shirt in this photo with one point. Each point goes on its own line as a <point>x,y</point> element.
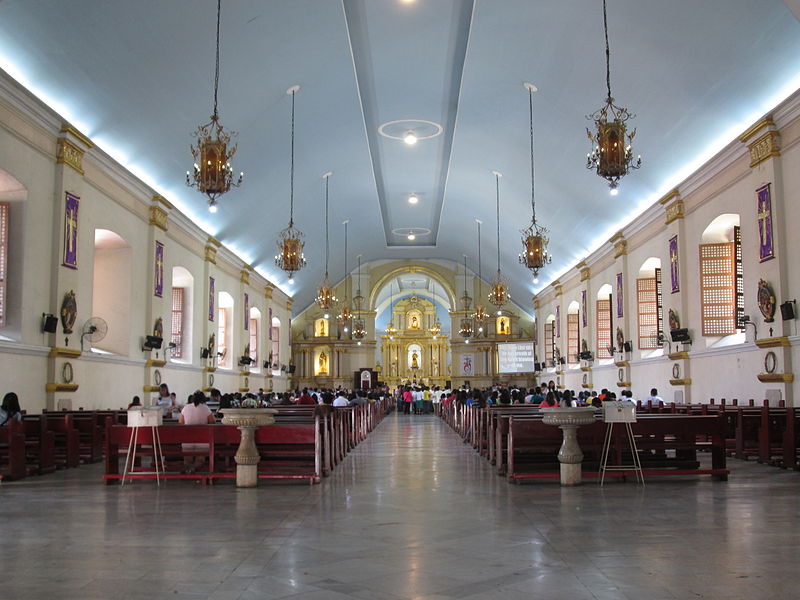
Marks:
<point>408,398</point>
<point>305,398</point>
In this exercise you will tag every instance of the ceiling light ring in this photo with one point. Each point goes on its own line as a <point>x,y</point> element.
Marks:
<point>421,128</point>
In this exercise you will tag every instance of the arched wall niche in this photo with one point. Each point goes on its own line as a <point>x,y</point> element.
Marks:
<point>720,229</point>
<point>183,280</point>
<point>13,194</point>
<point>112,273</point>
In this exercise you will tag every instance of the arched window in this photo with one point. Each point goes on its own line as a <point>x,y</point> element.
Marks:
<point>255,336</point>
<point>12,225</point>
<point>572,333</point>
<point>721,278</point>
<point>604,321</point>
<point>275,336</point>
<point>225,330</point>
<point>182,314</point>
<point>111,290</point>
<point>650,305</point>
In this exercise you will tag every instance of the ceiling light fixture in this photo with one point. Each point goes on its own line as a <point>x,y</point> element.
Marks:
<point>345,315</point>
<point>391,330</point>
<point>614,191</point>
<point>326,296</point>
<point>480,316</point>
<point>213,173</point>
<point>359,326</point>
<point>290,243</point>
<point>410,138</point>
<point>498,293</point>
<point>413,199</point>
<point>534,239</point>
<point>466,329</point>
<point>412,237</point>
<point>611,155</point>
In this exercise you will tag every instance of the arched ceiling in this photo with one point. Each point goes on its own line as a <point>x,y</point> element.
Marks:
<point>136,76</point>
<point>408,284</point>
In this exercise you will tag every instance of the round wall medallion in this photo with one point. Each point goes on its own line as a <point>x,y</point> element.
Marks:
<point>621,374</point>
<point>770,362</point>
<point>157,377</point>
<point>66,373</point>
<point>210,380</point>
<point>676,371</point>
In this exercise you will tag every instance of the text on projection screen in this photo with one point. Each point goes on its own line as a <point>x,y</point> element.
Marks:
<point>516,357</point>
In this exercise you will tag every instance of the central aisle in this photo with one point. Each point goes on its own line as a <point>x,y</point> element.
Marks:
<point>411,513</point>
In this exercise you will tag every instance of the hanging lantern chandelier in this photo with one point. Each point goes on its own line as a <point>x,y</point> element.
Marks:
<point>345,315</point>
<point>326,296</point>
<point>534,239</point>
<point>359,326</point>
<point>391,330</point>
<point>481,315</point>
<point>498,293</point>
<point>290,256</point>
<point>611,155</point>
<point>465,329</point>
<point>213,173</point>
<point>436,328</point>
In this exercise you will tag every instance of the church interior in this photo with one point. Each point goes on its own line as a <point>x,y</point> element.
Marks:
<point>266,196</point>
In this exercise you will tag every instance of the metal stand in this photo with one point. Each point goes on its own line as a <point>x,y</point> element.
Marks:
<point>618,412</point>
<point>136,420</point>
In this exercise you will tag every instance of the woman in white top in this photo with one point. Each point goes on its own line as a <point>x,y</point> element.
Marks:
<point>10,410</point>
<point>195,413</point>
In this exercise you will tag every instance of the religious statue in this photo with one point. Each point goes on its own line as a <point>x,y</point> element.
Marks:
<point>322,363</point>
<point>322,328</point>
<point>414,361</point>
<point>69,312</point>
<point>414,322</point>
<point>503,326</point>
<point>674,321</point>
<point>766,301</point>
<point>158,328</point>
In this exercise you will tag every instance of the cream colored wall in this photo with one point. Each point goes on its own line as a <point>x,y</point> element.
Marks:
<point>110,198</point>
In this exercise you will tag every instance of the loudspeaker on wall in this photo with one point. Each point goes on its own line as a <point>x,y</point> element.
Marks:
<point>787,310</point>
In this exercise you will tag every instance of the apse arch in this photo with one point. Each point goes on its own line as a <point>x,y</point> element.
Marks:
<point>395,273</point>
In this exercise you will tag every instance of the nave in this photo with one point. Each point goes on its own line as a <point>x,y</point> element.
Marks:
<point>411,513</point>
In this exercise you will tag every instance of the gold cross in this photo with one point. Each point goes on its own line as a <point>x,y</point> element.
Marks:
<point>762,221</point>
<point>72,227</point>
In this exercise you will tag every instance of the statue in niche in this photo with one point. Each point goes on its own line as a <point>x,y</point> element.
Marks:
<point>674,321</point>
<point>414,322</point>
<point>322,328</point>
<point>322,363</point>
<point>158,328</point>
<point>414,360</point>
<point>69,312</point>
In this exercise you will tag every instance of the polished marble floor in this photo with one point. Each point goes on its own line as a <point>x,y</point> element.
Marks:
<point>412,513</point>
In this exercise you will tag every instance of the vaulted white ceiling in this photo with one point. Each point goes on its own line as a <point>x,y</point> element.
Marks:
<point>137,77</point>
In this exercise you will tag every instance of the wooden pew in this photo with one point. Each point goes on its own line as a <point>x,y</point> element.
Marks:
<point>39,445</point>
<point>12,451</point>
<point>791,439</point>
<point>66,450</point>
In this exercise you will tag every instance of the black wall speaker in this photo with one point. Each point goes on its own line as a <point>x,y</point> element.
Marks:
<point>680,335</point>
<point>787,310</point>
<point>628,347</point>
<point>50,323</point>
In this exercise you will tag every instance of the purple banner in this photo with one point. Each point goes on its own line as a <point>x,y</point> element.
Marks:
<point>619,295</point>
<point>558,321</point>
<point>246,312</point>
<point>583,307</point>
<point>158,285</point>
<point>211,299</point>
<point>673,264</point>
<point>71,231</point>
<point>766,248</point>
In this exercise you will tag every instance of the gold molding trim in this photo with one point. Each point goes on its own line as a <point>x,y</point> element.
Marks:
<point>206,389</point>
<point>678,355</point>
<point>776,377</point>
<point>586,369</point>
<point>268,289</point>
<point>214,241</point>
<point>586,386</point>
<point>210,254</point>
<point>70,154</point>
<point>585,273</point>
<point>621,363</point>
<point>755,128</point>
<point>674,211</point>
<point>620,248</point>
<point>149,388</point>
<point>67,128</point>
<point>773,342</point>
<point>66,352</point>
<point>687,381</point>
<point>61,387</point>
<point>670,196</point>
<point>767,146</point>
<point>536,303</point>
<point>161,200</point>
<point>245,373</point>
<point>244,389</point>
<point>559,289</point>
<point>244,277</point>
<point>155,363</point>
<point>209,369</point>
<point>289,302</point>
<point>616,237</point>
<point>158,217</point>
<point>623,384</point>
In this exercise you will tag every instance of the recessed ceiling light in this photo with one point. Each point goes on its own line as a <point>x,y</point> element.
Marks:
<point>413,199</point>
<point>614,191</point>
<point>409,138</point>
<point>412,237</point>
<point>212,208</point>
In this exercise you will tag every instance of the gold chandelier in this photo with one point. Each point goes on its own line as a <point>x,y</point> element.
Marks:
<point>290,256</point>
<point>391,330</point>
<point>213,173</point>
<point>534,239</point>
<point>326,296</point>
<point>611,155</point>
<point>345,315</point>
<point>466,329</point>
<point>481,315</point>
<point>498,292</point>
<point>359,326</point>
<point>436,328</point>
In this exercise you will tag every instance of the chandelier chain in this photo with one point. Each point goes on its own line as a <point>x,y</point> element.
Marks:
<point>533,179</point>
<point>291,171</point>
<point>327,243</point>
<point>608,52</point>
<point>216,68</point>
<point>497,195</point>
